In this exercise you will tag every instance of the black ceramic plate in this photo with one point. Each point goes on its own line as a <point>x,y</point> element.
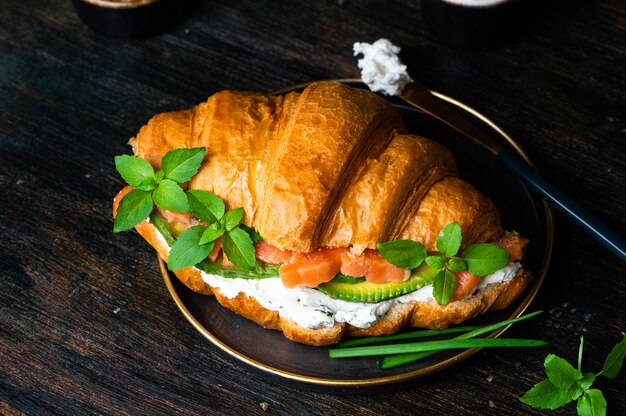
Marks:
<point>277,357</point>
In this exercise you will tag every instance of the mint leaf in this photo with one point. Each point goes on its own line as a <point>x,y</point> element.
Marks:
<point>436,262</point>
<point>406,254</point>
<point>254,234</point>
<point>135,207</point>
<point>591,404</point>
<point>170,196</point>
<point>134,170</point>
<point>615,360</point>
<point>560,372</point>
<point>238,247</point>
<point>187,250</point>
<point>181,164</point>
<point>443,287</point>
<point>449,239</point>
<point>212,233</point>
<point>205,205</point>
<point>483,259</point>
<point>456,265</point>
<point>545,395</point>
<point>232,218</point>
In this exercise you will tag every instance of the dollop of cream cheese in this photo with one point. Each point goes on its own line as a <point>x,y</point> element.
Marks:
<point>311,308</point>
<point>381,68</point>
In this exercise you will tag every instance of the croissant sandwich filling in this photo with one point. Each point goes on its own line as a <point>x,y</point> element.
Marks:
<point>324,177</point>
<point>294,284</point>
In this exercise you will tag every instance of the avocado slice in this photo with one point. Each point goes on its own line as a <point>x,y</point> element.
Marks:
<point>377,292</point>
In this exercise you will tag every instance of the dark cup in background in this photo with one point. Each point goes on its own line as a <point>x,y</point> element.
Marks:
<point>476,23</point>
<point>131,18</point>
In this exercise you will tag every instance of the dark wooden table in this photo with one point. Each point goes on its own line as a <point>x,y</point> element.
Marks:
<point>86,325</point>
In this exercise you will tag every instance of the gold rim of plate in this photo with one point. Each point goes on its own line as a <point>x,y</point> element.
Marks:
<point>531,292</point>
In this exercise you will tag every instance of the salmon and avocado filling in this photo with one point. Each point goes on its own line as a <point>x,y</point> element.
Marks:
<point>368,277</point>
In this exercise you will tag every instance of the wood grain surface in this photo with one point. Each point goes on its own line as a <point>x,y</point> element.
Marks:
<point>86,324</point>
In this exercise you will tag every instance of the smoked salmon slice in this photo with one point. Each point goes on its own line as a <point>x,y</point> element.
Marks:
<point>121,194</point>
<point>514,244</point>
<point>374,267</point>
<point>171,216</point>
<point>311,269</point>
<point>216,250</point>
<point>465,284</point>
<point>270,254</point>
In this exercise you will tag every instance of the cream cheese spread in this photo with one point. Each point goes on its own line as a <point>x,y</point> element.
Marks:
<point>311,308</point>
<point>381,68</point>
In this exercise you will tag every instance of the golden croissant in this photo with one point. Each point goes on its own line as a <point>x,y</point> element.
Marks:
<point>324,176</point>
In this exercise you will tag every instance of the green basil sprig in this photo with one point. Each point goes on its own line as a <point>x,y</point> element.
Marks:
<point>195,244</point>
<point>478,259</point>
<point>566,383</point>
<point>155,188</point>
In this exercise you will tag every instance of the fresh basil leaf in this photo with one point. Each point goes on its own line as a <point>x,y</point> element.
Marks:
<point>456,265</point>
<point>436,262</point>
<point>212,233</point>
<point>449,239</point>
<point>205,205</point>
<point>147,184</point>
<point>406,254</point>
<point>591,404</point>
<point>187,250</point>
<point>134,170</point>
<point>181,164</point>
<point>483,259</point>
<point>615,360</point>
<point>158,177</point>
<point>443,287</point>
<point>579,387</point>
<point>133,208</point>
<point>238,247</point>
<point>232,218</point>
<point>170,196</point>
<point>560,372</point>
<point>587,380</point>
<point>254,234</point>
<point>545,395</point>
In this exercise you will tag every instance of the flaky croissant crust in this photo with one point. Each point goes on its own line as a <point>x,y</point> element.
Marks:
<point>329,167</point>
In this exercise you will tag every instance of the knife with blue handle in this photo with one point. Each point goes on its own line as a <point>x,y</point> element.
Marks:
<point>422,98</point>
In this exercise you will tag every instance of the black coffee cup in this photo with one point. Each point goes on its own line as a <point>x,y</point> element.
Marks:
<point>131,18</point>
<point>475,23</point>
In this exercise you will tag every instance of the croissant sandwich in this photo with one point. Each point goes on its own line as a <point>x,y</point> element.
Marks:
<point>356,225</point>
